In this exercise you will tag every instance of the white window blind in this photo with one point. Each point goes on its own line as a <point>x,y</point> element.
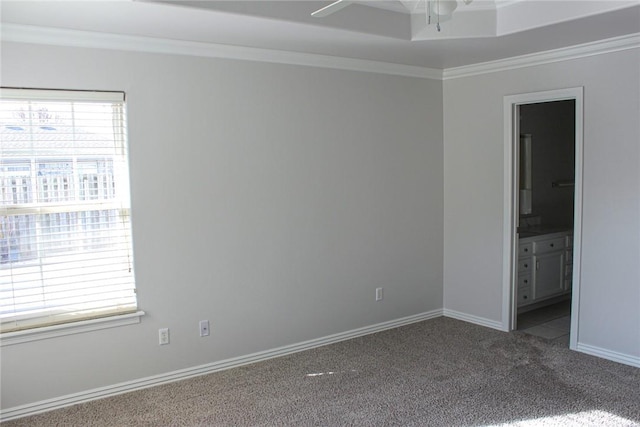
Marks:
<point>65,235</point>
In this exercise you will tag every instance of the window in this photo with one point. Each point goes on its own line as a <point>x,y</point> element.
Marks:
<point>65,235</point>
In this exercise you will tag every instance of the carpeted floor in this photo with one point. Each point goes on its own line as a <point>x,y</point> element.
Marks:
<point>440,372</point>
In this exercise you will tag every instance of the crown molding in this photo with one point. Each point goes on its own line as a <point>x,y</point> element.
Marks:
<point>600,47</point>
<point>88,39</point>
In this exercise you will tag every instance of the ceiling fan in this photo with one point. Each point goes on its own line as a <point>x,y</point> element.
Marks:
<point>435,10</point>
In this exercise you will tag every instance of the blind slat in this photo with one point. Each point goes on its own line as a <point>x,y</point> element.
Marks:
<point>61,95</point>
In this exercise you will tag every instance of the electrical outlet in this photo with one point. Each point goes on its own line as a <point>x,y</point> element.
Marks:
<point>163,336</point>
<point>379,294</point>
<point>204,328</point>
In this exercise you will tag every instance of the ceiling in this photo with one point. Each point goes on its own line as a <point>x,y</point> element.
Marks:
<point>376,30</point>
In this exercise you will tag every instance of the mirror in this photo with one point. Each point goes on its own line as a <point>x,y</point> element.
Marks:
<point>525,174</point>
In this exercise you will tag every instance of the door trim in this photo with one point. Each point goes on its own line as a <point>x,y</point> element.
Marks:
<point>510,218</point>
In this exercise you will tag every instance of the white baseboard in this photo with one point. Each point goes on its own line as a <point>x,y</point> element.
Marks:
<point>493,324</point>
<point>603,353</point>
<point>142,383</point>
<point>626,359</point>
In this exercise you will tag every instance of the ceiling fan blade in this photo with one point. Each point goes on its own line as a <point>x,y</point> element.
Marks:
<point>332,8</point>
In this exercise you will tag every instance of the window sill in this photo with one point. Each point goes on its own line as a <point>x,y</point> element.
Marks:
<point>36,334</point>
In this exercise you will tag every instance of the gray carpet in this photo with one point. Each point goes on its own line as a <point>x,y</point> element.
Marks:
<point>440,372</point>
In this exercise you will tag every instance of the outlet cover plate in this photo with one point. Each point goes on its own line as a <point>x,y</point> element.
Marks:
<point>204,328</point>
<point>163,336</point>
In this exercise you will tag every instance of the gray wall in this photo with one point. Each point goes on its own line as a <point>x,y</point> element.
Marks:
<point>552,127</point>
<point>312,187</point>
<point>609,311</point>
<point>270,199</point>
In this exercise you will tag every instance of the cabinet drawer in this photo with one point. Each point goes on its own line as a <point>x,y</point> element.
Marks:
<point>524,280</point>
<point>550,245</point>
<point>525,265</point>
<point>525,249</point>
<point>524,296</point>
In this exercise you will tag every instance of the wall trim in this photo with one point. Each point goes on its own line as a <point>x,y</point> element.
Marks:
<point>510,201</point>
<point>482,321</point>
<point>600,47</point>
<point>46,332</point>
<point>88,39</point>
<point>614,356</point>
<point>155,380</point>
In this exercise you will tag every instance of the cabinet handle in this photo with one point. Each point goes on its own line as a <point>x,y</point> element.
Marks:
<point>524,297</point>
<point>551,245</point>
<point>537,265</point>
<point>526,266</point>
<point>526,281</point>
<point>526,250</point>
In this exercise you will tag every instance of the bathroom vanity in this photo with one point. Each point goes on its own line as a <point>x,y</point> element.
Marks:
<point>545,261</point>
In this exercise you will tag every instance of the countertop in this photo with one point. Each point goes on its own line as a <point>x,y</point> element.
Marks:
<point>539,230</point>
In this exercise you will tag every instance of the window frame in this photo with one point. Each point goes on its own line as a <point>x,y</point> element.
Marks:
<point>105,319</point>
<point>70,328</point>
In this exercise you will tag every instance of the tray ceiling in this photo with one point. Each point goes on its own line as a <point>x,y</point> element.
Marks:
<point>382,31</point>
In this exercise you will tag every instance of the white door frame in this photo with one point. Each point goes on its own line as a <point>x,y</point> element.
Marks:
<point>511,156</point>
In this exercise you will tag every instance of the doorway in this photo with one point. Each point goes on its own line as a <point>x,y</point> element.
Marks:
<point>543,206</point>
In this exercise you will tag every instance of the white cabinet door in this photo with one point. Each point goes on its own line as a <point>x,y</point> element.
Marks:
<point>549,274</point>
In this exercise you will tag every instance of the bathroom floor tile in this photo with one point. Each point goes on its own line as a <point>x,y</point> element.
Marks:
<point>545,332</point>
<point>563,323</point>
